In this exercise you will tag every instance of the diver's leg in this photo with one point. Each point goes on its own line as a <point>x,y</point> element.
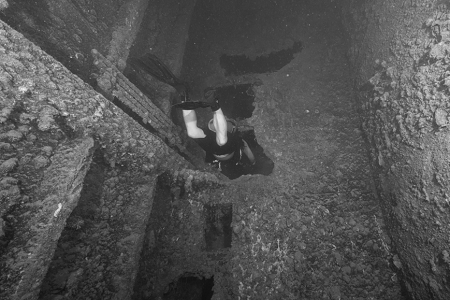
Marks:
<point>249,153</point>
<point>220,124</point>
<point>190,120</point>
<point>219,120</point>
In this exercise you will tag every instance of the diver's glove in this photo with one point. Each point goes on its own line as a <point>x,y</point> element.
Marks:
<point>211,97</point>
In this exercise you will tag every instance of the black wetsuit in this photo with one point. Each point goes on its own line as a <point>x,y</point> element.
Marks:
<point>234,167</point>
<point>209,144</point>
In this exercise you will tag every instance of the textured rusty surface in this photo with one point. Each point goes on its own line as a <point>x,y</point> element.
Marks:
<point>45,110</point>
<point>56,197</point>
<point>113,84</point>
<point>400,58</point>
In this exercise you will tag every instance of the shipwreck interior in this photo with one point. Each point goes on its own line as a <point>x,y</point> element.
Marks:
<point>344,104</point>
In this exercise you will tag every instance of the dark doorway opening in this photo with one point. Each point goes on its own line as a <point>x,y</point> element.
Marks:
<point>264,165</point>
<point>190,288</point>
<point>236,101</point>
<point>242,64</point>
<point>218,219</point>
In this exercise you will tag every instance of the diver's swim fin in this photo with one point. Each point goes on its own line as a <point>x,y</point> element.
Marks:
<point>151,64</point>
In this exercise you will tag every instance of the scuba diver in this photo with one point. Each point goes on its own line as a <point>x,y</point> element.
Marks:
<point>221,140</point>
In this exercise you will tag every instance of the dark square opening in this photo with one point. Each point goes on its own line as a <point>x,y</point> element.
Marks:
<point>218,219</point>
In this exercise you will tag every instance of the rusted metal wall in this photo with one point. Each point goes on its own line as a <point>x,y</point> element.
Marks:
<point>48,115</point>
<point>400,60</point>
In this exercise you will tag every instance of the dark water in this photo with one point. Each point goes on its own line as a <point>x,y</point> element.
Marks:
<point>190,288</point>
<point>218,226</point>
<point>236,101</point>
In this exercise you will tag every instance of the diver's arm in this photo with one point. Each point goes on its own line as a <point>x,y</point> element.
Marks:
<point>190,119</point>
<point>246,149</point>
<point>220,124</point>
